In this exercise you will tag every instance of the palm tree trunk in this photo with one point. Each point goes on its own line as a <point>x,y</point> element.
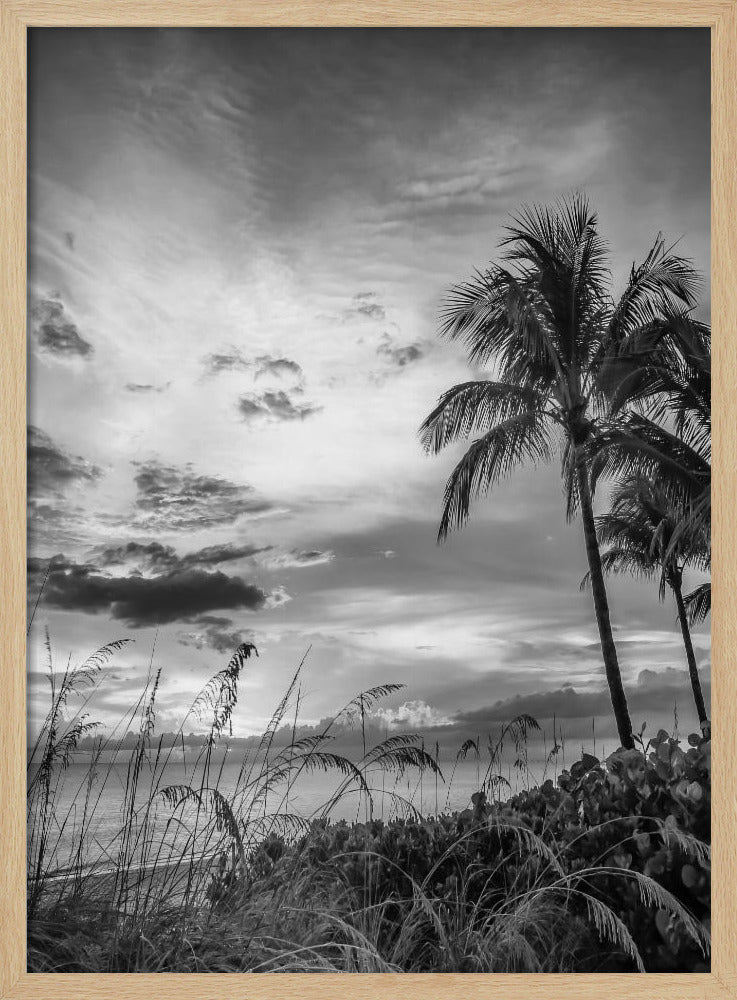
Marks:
<point>601,605</point>
<point>690,656</point>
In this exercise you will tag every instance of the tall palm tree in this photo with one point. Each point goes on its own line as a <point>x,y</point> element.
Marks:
<point>645,537</point>
<point>546,320</point>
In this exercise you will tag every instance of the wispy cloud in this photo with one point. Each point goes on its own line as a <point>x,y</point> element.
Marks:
<point>146,387</point>
<point>298,558</point>
<point>144,556</point>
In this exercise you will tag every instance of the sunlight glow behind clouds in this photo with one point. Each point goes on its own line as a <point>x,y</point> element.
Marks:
<point>294,206</point>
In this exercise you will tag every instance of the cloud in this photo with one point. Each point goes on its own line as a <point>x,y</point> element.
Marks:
<point>50,523</point>
<point>277,597</point>
<point>214,554</point>
<point>441,188</point>
<point>415,714</point>
<point>146,387</point>
<point>275,405</point>
<point>264,366</point>
<point>654,693</point>
<point>177,499</point>
<point>280,368</point>
<point>400,357</point>
<point>565,702</point>
<point>298,558</point>
<point>50,469</point>
<point>216,633</point>
<point>176,595</point>
<point>157,557</point>
<point>145,555</point>
<point>475,190</point>
<point>226,360</point>
<point>365,305</point>
<point>56,333</point>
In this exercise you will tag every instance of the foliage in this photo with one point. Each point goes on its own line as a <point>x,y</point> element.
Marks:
<point>617,853</point>
<point>606,871</point>
<point>565,364</point>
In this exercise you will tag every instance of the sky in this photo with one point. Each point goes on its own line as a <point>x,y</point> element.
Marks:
<point>239,244</point>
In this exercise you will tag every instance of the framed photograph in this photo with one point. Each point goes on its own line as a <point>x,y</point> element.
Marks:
<point>357,500</point>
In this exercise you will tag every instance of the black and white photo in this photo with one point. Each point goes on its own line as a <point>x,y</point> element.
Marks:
<point>369,469</point>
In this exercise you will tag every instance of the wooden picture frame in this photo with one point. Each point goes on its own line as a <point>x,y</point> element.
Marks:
<point>720,16</point>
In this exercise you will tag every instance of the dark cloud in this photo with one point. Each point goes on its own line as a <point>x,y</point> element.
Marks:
<point>146,555</point>
<point>69,240</point>
<point>50,469</point>
<point>399,356</point>
<point>213,632</point>
<point>276,405</point>
<point>566,702</point>
<point>139,601</point>
<point>55,332</point>
<point>177,499</point>
<point>157,557</point>
<point>654,694</point>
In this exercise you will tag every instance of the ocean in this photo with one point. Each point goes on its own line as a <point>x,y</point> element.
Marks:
<point>95,803</point>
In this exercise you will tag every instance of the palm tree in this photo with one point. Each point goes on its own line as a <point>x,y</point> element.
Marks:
<point>645,537</point>
<point>546,319</point>
<point>664,371</point>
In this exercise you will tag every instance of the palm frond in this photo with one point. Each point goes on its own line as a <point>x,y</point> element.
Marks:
<point>698,604</point>
<point>490,458</point>
<point>562,248</point>
<point>475,406</point>
<point>638,446</point>
<point>664,281</point>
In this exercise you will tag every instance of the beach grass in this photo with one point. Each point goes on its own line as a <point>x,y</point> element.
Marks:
<point>606,868</point>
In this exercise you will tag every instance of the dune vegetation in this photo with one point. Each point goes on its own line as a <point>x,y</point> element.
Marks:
<point>606,869</point>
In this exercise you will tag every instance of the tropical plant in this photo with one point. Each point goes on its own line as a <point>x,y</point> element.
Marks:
<point>547,321</point>
<point>609,871</point>
<point>662,372</point>
<point>647,536</point>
